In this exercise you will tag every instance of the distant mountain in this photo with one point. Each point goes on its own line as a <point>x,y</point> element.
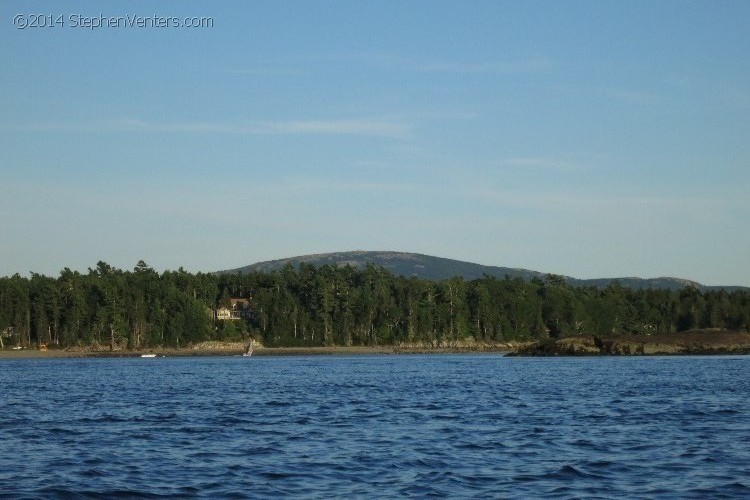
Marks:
<point>439,268</point>
<point>398,263</point>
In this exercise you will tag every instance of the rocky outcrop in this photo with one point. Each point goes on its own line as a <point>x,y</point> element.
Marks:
<point>464,345</point>
<point>691,342</point>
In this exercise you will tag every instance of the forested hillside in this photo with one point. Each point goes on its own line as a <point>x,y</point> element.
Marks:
<point>332,305</point>
<point>398,263</point>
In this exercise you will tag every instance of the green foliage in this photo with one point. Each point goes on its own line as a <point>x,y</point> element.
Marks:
<point>332,305</point>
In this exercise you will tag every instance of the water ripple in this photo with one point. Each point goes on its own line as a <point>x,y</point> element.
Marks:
<point>386,426</point>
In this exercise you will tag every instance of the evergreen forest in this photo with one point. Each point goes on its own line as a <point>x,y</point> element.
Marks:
<point>345,306</point>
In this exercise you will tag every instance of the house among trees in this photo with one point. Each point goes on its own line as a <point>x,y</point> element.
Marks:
<point>234,309</point>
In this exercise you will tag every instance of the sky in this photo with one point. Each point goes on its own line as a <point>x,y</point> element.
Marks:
<point>590,139</point>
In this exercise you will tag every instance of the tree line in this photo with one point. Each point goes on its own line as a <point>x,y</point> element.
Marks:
<point>331,305</point>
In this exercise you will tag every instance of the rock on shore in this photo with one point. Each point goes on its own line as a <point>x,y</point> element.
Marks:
<point>685,343</point>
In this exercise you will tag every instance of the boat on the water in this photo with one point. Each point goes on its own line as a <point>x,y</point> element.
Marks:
<point>148,355</point>
<point>249,350</point>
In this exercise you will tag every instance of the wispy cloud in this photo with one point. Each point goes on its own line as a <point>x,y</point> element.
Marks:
<point>630,95</point>
<point>359,186</point>
<point>267,71</point>
<point>501,68</point>
<point>54,127</point>
<point>635,96</point>
<point>387,61</point>
<point>398,62</point>
<point>540,163</point>
<point>615,205</point>
<point>708,91</point>
<point>296,185</point>
<point>372,127</point>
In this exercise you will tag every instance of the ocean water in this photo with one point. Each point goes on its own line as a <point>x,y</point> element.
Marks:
<point>376,426</point>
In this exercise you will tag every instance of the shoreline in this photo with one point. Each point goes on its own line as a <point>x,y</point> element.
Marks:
<point>694,342</point>
<point>188,352</point>
<point>703,342</point>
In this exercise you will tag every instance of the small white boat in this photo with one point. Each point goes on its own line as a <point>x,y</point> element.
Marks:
<point>249,351</point>
<point>148,355</point>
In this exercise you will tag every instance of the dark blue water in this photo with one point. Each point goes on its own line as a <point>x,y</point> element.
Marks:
<point>381,426</point>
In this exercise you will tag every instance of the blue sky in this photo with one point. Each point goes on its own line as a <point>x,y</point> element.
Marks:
<point>592,139</point>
